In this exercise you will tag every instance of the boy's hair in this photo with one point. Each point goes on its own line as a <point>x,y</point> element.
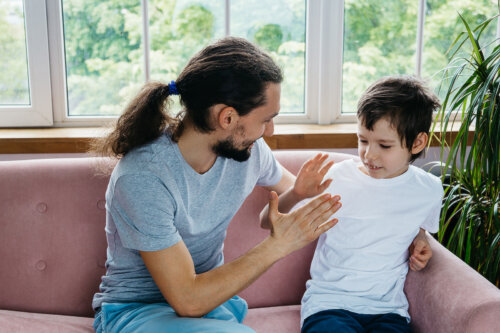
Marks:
<point>405,101</point>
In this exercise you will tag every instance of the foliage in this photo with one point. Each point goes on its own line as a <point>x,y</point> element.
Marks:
<point>269,37</point>
<point>13,64</point>
<point>104,45</point>
<point>470,224</point>
<point>380,39</point>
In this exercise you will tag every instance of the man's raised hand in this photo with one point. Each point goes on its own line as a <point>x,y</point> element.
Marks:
<point>295,230</point>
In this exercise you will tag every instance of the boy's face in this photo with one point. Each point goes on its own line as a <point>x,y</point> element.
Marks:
<point>381,151</point>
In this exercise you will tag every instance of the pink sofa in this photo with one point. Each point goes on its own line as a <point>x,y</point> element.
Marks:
<point>53,250</point>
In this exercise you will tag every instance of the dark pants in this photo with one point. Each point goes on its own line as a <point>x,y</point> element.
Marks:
<point>343,321</point>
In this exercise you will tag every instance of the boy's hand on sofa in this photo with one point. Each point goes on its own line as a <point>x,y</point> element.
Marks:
<point>295,230</point>
<point>309,182</point>
<point>420,252</point>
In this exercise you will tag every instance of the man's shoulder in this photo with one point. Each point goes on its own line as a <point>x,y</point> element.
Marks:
<point>148,159</point>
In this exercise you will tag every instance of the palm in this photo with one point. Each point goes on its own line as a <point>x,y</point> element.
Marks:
<point>309,182</point>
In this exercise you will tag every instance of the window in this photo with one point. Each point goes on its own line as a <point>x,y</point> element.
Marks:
<point>25,91</point>
<point>102,51</point>
<point>414,40</point>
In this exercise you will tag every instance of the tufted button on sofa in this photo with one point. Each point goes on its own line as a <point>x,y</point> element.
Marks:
<point>53,254</point>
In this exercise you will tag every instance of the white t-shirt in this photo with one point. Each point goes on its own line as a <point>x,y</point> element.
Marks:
<point>360,265</point>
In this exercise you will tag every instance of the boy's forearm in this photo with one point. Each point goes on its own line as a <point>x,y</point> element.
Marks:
<point>287,200</point>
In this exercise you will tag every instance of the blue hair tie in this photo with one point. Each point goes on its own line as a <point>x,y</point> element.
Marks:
<point>172,88</point>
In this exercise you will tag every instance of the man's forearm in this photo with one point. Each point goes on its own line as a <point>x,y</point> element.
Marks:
<point>212,288</point>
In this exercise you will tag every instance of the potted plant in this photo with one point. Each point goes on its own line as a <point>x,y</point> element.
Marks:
<point>469,223</point>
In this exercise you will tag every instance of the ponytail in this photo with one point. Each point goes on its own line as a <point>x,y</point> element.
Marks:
<point>144,119</point>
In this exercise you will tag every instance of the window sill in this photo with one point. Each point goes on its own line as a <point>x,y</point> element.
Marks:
<point>76,139</point>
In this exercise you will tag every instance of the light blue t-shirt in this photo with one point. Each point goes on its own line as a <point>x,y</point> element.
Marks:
<point>154,199</point>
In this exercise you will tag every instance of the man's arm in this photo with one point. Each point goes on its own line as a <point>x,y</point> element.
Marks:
<point>194,295</point>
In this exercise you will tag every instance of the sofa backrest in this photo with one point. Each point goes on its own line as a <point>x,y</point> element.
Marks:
<point>53,246</point>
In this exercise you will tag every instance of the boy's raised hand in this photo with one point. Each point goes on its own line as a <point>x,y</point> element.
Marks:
<point>309,182</point>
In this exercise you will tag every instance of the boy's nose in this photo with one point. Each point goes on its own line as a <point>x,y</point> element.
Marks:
<point>369,154</point>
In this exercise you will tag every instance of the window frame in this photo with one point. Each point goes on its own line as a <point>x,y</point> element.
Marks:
<point>39,112</point>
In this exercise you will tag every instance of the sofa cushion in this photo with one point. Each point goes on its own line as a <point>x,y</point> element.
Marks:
<point>52,238</point>
<point>276,319</point>
<point>24,322</point>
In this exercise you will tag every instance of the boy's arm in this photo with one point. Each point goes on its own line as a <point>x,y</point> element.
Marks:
<point>309,183</point>
<point>420,251</point>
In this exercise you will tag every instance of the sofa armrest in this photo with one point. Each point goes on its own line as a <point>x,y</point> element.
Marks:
<point>449,296</point>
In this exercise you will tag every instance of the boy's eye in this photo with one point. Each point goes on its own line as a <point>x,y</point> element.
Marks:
<point>363,141</point>
<point>385,147</point>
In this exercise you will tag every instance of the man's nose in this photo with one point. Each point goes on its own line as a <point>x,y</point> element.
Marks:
<point>269,130</point>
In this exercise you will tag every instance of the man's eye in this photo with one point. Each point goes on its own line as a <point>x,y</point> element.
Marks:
<point>385,147</point>
<point>363,141</point>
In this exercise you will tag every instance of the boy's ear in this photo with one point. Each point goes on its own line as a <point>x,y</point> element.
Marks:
<point>419,143</point>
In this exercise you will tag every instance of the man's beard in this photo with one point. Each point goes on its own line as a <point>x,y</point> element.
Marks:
<point>226,148</point>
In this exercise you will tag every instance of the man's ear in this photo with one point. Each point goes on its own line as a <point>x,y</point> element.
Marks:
<point>227,116</point>
<point>419,143</point>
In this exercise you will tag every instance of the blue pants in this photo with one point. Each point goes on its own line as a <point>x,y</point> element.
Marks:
<point>161,317</point>
<point>343,321</point>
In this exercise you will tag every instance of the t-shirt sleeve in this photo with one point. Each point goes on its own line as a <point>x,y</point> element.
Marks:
<point>270,169</point>
<point>431,223</point>
<point>143,211</point>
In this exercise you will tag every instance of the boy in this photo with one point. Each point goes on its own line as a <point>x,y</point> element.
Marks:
<point>359,266</point>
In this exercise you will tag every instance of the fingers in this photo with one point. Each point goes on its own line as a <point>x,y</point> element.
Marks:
<point>420,255</point>
<point>419,247</point>
<point>421,250</point>
<point>314,204</point>
<point>322,228</point>
<point>324,212</point>
<point>325,185</point>
<point>273,205</point>
<point>325,168</point>
<point>315,163</point>
<point>417,264</point>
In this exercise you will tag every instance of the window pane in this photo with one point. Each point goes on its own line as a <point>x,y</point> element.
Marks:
<point>279,28</point>
<point>177,31</point>
<point>443,25</point>
<point>14,84</point>
<point>379,39</point>
<point>104,58</point>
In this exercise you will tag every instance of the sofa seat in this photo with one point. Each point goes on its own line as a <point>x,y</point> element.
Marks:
<point>26,322</point>
<point>272,319</point>
<point>284,318</point>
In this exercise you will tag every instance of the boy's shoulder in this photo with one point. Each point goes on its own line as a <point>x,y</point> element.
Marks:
<point>425,175</point>
<point>427,180</point>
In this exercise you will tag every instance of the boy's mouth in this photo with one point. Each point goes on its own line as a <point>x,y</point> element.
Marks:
<point>372,167</point>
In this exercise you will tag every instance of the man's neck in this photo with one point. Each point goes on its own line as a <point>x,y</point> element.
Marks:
<point>196,148</point>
